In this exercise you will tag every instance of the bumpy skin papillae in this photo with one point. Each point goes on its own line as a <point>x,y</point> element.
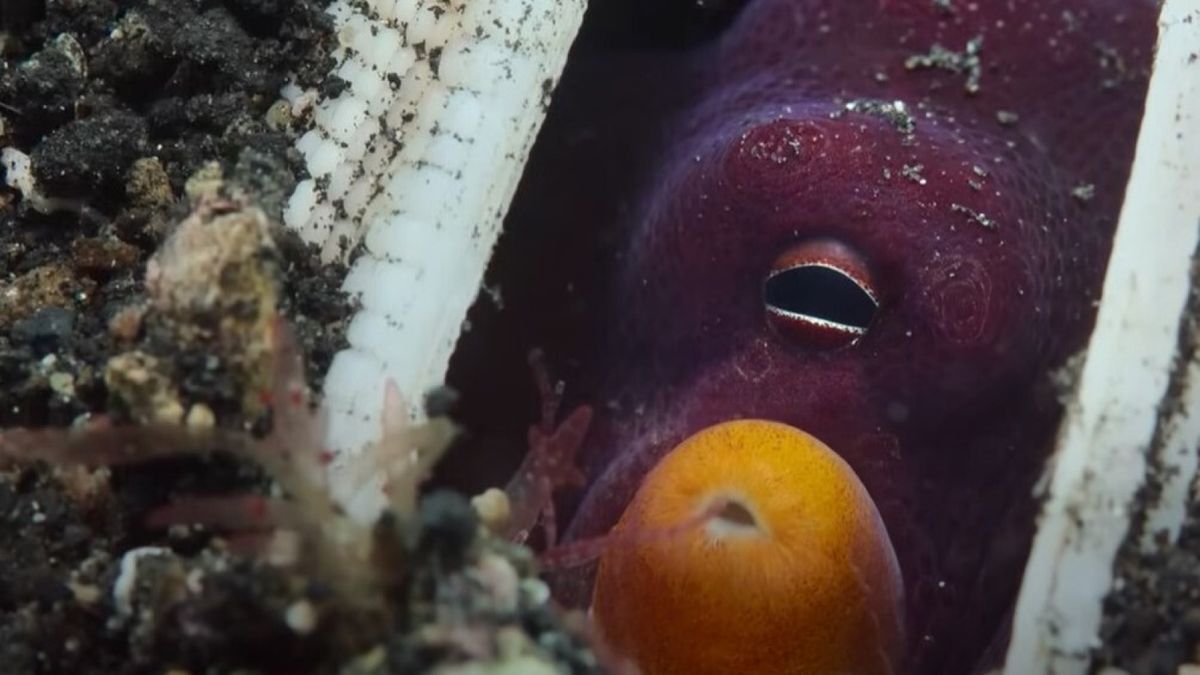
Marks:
<point>987,250</point>
<point>416,162</point>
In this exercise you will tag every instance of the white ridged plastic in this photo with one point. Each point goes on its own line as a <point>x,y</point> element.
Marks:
<point>1124,417</point>
<point>413,167</point>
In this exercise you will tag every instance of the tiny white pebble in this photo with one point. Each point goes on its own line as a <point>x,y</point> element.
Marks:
<point>200,417</point>
<point>500,579</point>
<point>301,617</point>
<point>536,592</point>
<point>85,594</point>
<point>493,507</point>
<point>195,581</point>
<point>125,583</point>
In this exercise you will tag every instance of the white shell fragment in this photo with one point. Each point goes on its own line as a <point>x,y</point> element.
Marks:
<point>1128,425</point>
<point>18,174</point>
<point>416,162</point>
<point>126,582</point>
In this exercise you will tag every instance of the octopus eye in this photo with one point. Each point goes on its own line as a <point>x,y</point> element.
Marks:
<point>819,295</point>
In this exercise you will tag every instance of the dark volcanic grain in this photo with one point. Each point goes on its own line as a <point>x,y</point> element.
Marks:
<point>117,105</point>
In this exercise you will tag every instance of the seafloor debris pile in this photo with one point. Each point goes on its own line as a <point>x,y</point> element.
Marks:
<point>175,543</point>
<point>163,503</point>
<point>107,111</point>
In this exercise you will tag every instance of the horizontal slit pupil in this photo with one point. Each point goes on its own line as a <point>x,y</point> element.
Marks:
<point>820,292</point>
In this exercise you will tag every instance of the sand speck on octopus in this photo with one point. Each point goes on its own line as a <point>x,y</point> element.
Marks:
<point>859,219</point>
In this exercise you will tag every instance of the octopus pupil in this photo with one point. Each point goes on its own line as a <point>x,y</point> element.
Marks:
<point>820,292</point>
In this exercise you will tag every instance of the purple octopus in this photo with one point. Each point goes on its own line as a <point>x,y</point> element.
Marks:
<point>884,222</point>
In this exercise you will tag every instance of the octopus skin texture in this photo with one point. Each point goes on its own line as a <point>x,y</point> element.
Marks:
<point>962,163</point>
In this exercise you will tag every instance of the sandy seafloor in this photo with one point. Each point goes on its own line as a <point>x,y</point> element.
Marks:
<point>143,120</point>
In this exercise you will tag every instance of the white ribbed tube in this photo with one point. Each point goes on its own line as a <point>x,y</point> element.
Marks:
<point>1113,428</point>
<point>416,162</point>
